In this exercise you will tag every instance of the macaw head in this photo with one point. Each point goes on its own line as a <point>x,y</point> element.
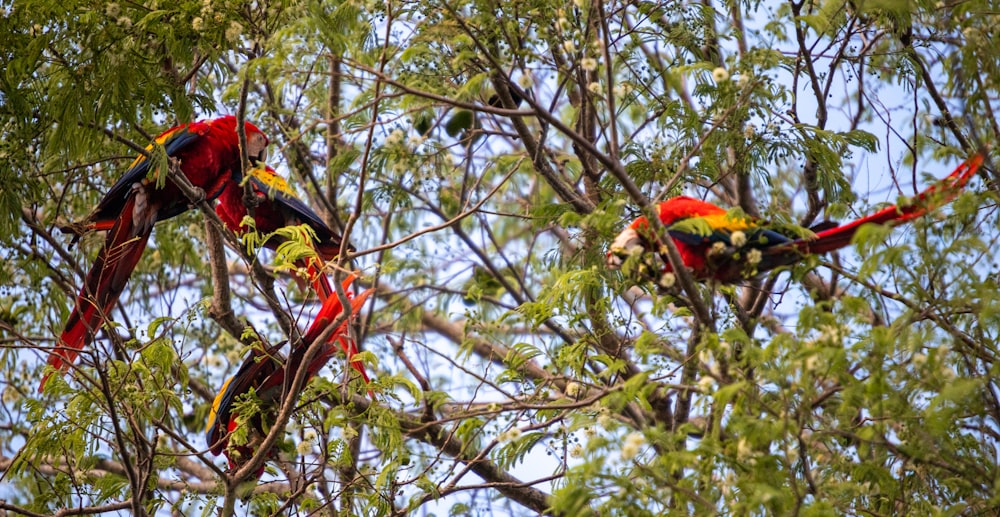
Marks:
<point>626,244</point>
<point>635,239</point>
<point>256,140</point>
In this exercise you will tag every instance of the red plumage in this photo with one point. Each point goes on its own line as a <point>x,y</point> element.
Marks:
<point>263,372</point>
<point>208,152</point>
<point>277,207</point>
<point>704,233</point>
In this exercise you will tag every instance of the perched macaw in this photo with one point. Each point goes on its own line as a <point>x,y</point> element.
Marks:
<point>263,372</point>
<point>208,152</point>
<point>278,207</point>
<point>727,248</point>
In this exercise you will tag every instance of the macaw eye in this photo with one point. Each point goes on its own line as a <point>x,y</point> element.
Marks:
<point>257,147</point>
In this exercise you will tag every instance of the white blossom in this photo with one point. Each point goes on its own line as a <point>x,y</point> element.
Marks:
<point>754,256</point>
<point>633,443</point>
<point>234,32</point>
<point>573,389</point>
<point>738,239</point>
<point>705,383</point>
<point>569,46</point>
<point>720,74</point>
<point>509,435</point>
<point>198,24</point>
<point>395,137</point>
<point>668,280</point>
<point>589,64</point>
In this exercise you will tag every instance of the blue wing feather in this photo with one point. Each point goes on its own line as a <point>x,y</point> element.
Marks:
<point>235,386</point>
<point>759,238</point>
<point>110,206</point>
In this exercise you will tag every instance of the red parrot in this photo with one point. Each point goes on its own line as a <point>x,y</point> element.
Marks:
<point>717,245</point>
<point>264,373</point>
<point>208,152</point>
<point>277,208</point>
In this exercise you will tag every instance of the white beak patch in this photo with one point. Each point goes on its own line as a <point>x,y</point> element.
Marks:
<point>626,243</point>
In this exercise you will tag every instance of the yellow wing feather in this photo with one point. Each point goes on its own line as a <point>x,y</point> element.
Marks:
<point>273,181</point>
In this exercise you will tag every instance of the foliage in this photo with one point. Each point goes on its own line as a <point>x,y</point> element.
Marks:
<point>515,373</point>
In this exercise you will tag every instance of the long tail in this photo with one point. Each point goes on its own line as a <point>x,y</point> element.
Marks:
<point>104,284</point>
<point>933,197</point>
<point>328,313</point>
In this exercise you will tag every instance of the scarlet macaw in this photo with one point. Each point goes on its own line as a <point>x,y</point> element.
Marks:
<point>263,372</point>
<point>209,157</point>
<point>278,207</point>
<point>728,248</point>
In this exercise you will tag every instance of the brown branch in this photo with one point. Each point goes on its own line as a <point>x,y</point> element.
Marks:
<point>265,282</point>
<point>221,309</point>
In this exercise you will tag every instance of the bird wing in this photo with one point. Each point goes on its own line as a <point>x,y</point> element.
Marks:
<point>172,140</point>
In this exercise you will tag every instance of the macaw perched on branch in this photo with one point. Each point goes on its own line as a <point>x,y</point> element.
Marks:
<point>278,207</point>
<point>265,374</point>
<point>209,156</point>
<point>717,245</point>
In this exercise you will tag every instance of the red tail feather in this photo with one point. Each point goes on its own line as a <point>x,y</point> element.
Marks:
<point>934,196</point>
<point>347,344</point>
<point>328,313</point>
<point>104,284</point>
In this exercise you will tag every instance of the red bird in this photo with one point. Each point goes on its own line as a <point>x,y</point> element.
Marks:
<point>277,207</point>
<point>715,244</point>
<point>209,157</point>
<point>265,374</point>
